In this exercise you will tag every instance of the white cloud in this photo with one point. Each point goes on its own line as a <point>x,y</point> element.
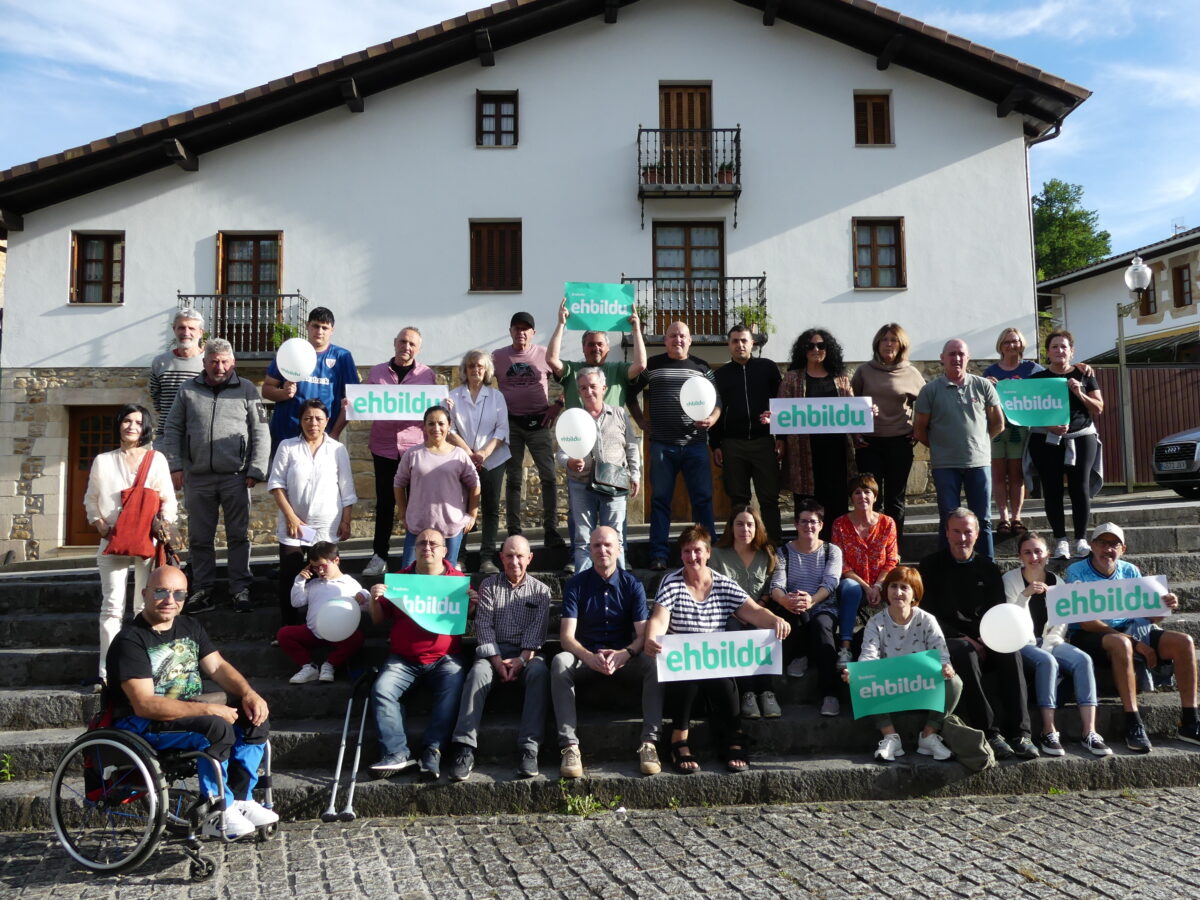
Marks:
<point>1156,85</point>
<point>1070,20</point>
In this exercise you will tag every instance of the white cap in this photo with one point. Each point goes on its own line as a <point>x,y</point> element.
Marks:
<point>1109,528</point>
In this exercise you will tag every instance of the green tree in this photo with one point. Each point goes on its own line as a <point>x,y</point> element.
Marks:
<point>1065,235</point>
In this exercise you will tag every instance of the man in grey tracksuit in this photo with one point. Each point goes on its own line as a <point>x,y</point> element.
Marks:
<point>217,443</point>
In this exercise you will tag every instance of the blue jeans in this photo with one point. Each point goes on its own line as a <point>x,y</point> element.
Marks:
<point>850,598</point>
<point>588,511</point>
<point>410,548</point>
<point>667,461</point>
<point>976,483</point>
<point>445,677</point>
<point>1071,660</point>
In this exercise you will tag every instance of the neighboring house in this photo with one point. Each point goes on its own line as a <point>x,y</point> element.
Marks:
<point>828,161</point>
<point>1165,326</point>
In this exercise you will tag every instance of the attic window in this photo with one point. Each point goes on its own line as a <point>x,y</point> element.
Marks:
<point>495,119</point>
<point>872,120</point>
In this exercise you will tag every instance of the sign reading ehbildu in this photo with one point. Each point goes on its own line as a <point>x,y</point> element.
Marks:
<point>400,402</point>
<point>719,654</point>
<point>822,415</point>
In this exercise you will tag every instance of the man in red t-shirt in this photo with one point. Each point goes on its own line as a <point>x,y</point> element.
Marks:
<point>416,654</point>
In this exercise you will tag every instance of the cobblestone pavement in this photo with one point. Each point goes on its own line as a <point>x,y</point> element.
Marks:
<point>1101,844</point>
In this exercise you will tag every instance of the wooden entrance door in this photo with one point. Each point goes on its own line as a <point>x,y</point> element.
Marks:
<point>689,269</point>
<point>91,433</point>
<point>685,112</point>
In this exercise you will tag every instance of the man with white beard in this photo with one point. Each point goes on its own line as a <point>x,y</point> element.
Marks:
<point>183,362</point>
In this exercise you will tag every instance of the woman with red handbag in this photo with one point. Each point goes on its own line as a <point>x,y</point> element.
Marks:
<point>126,489</point>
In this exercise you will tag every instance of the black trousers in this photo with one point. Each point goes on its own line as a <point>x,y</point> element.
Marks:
<point>680,699</point>
<point>890,460</point>
<point>1048,459</point>
<point>291,561</point>
<point>385,504</point>
<point>975,706</point>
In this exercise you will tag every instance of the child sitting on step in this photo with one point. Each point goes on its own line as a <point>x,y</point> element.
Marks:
<point>320,582</point>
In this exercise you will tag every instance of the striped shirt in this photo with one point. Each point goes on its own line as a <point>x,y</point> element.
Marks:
<point>809,572</point>
<point>516,615</point>
<point>663,378</point>
<point>691,617</point>
<point>167,373</point>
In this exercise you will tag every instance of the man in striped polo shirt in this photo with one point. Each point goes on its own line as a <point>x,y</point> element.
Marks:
<point>182,363</point>
<point>677,444</point>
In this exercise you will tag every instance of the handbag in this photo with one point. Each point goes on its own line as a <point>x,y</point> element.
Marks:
<point>131,534</point>
<point>608,479</point>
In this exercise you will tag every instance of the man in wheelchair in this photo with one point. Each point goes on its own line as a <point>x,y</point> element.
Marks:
<point>157,660</point>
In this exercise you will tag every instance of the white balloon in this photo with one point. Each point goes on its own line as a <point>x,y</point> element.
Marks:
<point>576,433</point>
<point>337,620</point>
<point>1006,628</point>
<point>698,397</point>
<point>295,359</point>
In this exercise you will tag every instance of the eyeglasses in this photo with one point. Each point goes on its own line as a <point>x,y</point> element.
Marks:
<point>1101,542</point>
<point>430,544</point>
<point>179,597</point>
<point>813,345</point>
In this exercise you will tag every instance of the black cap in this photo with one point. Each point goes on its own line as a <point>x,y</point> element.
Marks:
<point>522,318</point>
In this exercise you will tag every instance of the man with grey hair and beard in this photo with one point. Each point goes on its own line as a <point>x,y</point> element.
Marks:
<point>181,363</point>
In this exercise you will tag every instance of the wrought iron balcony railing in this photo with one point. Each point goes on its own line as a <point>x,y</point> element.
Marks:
<point>256,324</point>
<point>709,306</point>
<point>689,162</point>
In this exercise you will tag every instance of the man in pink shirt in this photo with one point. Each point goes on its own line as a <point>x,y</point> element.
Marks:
<point>390,438</point>
<point>523,373</point>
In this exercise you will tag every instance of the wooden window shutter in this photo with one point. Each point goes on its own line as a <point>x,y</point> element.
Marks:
<point>495,256</point>
<point>220,262</point>
<point>73,296</point>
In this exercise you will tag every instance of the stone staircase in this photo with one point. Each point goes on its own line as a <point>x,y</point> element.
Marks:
<point>48,647</point>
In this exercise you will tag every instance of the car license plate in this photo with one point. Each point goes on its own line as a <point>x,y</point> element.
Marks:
<point>1177,466</point>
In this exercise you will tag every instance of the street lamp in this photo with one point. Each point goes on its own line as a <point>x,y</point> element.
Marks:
<point>1137,279</point>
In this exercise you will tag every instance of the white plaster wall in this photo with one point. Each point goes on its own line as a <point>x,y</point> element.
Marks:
<point>375,206</point>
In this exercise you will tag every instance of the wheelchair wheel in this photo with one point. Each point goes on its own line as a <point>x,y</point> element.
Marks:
<point>108,801</point>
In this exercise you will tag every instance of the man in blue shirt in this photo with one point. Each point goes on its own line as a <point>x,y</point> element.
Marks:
<point>1118,641</point>
<point>334,370</point>
<point>603,626</point>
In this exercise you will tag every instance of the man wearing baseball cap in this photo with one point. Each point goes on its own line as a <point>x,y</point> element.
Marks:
<point>1119,641</point>
<point>523,373</point>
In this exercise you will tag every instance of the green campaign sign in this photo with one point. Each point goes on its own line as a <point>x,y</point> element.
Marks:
<point>1121,598</point>
<point>437,603</point>
<point>1039,402</point>
<point>593,306</point>
<point>912,681</point>
<point>398,402</point>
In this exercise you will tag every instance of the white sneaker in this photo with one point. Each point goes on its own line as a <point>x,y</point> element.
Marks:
<point>845,657</point>
<point>1062,550</point>
<point>1082,548</point>
<point>889,748</point>
<point>255,813</point>
<point>326,672</point>
<point>307,675</point>
<point>236,825</point>
<point>376,566</point>
<point>933,745</point>
<point>798,668</point>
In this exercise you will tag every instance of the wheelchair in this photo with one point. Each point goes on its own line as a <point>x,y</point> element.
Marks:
<point>113,796</point>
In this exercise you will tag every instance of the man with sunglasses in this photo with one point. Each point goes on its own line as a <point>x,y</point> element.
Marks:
<point>158,660</point>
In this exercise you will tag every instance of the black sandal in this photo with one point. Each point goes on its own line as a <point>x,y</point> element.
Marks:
<point>684,765</point>
<point>735,755</point>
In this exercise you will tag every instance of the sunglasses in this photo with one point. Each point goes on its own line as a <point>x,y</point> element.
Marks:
<point>813,345</point>
<point>179,597</point>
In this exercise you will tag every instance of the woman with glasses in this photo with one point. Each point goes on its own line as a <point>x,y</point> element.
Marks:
<point>1008,447</point>
<point>817,466</point>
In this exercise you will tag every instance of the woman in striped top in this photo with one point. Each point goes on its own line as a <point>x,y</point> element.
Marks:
<point>803,589</point>
<point>696,600</point>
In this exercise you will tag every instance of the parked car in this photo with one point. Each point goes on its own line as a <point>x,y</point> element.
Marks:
<point>1177,464</point>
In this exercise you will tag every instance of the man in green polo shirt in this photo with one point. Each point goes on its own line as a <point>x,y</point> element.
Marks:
<point>595,353</point>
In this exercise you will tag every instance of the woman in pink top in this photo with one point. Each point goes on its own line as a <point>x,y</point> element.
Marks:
<point>869,551</point>
<point>436,487</point>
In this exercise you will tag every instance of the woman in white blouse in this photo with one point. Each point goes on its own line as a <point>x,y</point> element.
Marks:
<point>314,490</point>
<point>479,417</point>
<point>112,473</point>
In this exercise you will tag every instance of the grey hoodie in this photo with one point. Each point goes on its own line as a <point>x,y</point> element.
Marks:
<point>218,430</point>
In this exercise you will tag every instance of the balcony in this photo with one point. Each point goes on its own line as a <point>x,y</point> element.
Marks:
<point>709,306</point>
<point>256,324</point>
<point>689,162</point>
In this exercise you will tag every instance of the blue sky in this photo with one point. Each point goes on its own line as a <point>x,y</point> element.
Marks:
<point>76,70</point>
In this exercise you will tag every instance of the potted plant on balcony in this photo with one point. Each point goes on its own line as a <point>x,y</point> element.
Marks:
<point>725,173</point>
<point>654,173</point>
<point>755,317</point>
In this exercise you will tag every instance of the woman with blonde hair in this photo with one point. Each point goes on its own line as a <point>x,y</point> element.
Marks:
<point>1008,447</point>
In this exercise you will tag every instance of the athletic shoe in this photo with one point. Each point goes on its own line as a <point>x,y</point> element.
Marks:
<point>845,657</point>
<point>327,672</point>
<point>1136,739</point>
<point>1082,548</point>
<point>199,602</point>
<point>769,705</point>
<point>1024,748</point>
<point>376,566</point>
<point>658,565</point>
<point>1051,745</point>
<point>552,539</point>
<point>889,748</point>
<point>487,567</point>
<point>933,745</point>
<point>648,759</point>
<point>392,763</point>
<point>307,675</point>
<point>1095,745</point>
<point>798,668</point>
<point>256,814</point>
<point>750,706</point>
<point>431,764</point>
<point>1000,747</point>
<point>1062,550</point>
<point>527,765</point>
<point>572,762</point>
<point>830,706</point>
<point>1189,733</point>
<point>241,601</point>
<point>236,825</point>
<point>569,568</point>
<point>463,764</point>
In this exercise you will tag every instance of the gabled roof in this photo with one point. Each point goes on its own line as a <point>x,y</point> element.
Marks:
<point>1041,99</point>
<point>1182,241</point>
